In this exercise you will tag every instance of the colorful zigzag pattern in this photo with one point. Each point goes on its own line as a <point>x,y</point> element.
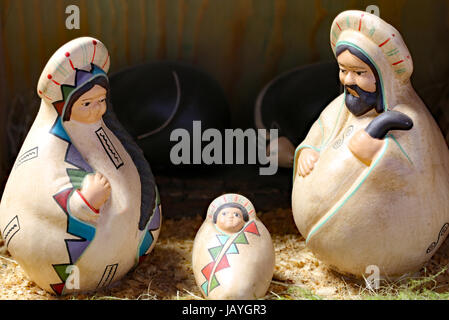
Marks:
<point>213,267</point>
<point>83,231</point>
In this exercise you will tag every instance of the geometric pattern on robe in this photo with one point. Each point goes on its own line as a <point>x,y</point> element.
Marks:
<point>219,257</point>
<point>84,231</point>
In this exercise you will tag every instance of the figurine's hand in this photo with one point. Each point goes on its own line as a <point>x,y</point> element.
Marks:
<point>306,161</point>
<point>96,189</point>
<point>365,147</point>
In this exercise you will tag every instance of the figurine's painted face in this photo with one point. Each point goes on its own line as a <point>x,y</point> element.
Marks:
<point>230,220</point>
<point>359,81</point>
<point>355,71</point>
<point>90,107</point>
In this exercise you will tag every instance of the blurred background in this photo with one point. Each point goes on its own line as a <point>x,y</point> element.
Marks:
<point>243,44</point>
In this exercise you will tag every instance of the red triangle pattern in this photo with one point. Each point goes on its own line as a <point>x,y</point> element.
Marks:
<point>59,106</point>
<point>58,287</point>
<point>208,269</point>
<point>252,228</point>
<point>224,263</point>
<point>62,198</point>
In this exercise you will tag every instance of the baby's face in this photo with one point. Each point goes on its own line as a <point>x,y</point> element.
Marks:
<point>230,220</point>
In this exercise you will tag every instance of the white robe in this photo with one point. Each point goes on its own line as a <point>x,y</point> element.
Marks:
<point>387,214</point>
<point>39,227</point>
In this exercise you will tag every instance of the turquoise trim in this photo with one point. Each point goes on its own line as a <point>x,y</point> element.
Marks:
<point>78,227</point>
<point>307,146</point>
<point>296,153</point>
<point>323,145</point>
<point>146,243</point>
<point>314,230</point>
<point>374,64</point>
<point>218,230</point>
<point>400,147</point>
<point>59,131</point>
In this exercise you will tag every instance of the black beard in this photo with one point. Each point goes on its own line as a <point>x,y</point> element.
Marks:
<point>360,105</point>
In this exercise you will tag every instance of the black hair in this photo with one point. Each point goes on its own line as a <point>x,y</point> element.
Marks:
<point>101,81</point>
<point>359,54</point>
<point>231,205</point>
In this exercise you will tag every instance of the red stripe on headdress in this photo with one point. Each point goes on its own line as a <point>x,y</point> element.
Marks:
<point>105,61</point>
<point>383,43</point>
<point>67,54</point>
<point>95,49</point>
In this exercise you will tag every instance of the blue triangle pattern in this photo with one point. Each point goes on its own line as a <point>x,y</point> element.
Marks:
<point>222,238</point>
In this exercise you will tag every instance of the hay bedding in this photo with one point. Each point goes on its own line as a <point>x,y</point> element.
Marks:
<point>167,273</point>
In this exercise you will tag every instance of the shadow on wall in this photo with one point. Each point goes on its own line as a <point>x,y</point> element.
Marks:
<point>243,44</point>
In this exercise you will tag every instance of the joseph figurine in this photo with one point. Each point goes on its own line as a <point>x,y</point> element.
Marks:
<point>371,178</point>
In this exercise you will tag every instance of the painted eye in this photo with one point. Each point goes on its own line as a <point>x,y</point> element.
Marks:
<point>102,100</point>
<point>223,213</point>
<point>359,73</point>
<point>236,215</point>
<point>343,70</point>
<point>86,104</point>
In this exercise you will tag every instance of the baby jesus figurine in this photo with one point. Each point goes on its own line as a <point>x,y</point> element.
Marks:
<point>233,255</point>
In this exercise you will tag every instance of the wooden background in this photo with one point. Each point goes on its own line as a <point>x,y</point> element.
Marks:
<point>242,43</point>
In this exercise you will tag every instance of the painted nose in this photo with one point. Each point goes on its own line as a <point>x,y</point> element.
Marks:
<point>97,107</point>
<point>349,79</point>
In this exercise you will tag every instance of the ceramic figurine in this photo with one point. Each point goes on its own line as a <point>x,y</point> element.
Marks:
<point>371,179</point>
<point>80,207</point>
<point>233,255</point>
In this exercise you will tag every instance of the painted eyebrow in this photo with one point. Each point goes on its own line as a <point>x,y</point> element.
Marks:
<point>98,96</point>
<point>353,67</point>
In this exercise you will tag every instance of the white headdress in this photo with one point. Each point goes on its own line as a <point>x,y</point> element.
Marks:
<point>231,198</point>
<point>61,69</point>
